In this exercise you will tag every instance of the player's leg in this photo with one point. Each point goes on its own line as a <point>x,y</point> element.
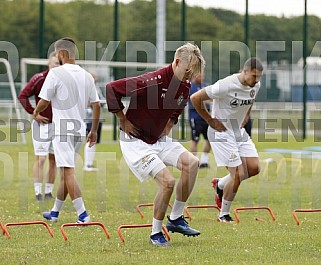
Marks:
<point>206,147</point>
<point>90,152</point>
<point>144,162</point>
<point>61,196</point>
<point>195,138</point>
<point>51,176</point>
<point>166,184</point>
<point>226,154</point>
<point>66,149</point>
<point>41,143</point>
<point>38,175</point>
<point>250,158</point>
<point>174,154</point>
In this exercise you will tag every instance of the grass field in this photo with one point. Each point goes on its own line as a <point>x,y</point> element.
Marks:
<point>112,194</point>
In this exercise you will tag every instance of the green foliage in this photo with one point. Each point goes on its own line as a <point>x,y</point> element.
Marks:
<point>94,21</point>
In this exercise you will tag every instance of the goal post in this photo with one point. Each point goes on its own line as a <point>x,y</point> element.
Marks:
<point>13,102</point>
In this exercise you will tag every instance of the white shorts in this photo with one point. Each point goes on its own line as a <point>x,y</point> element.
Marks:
<point>146,160</point>
<point>229,149</point>
<point>66,149</point>
<point>42,135</point>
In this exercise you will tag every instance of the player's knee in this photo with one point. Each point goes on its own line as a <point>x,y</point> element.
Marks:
<point>193,162</point>
<point>168,184</point>
<point>41,161</point>
<point>254,170</point>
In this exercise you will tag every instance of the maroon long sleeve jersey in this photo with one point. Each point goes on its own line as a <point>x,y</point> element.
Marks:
<point>154,98</point>
<point>33,88</point>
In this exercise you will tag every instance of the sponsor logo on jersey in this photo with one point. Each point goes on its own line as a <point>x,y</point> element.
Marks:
<point>241,102</point>
<point>234,102</point>
<point>252,93</point>
<point>245,102</point>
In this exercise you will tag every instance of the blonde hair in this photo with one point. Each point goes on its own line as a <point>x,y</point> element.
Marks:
<point>191,54</point>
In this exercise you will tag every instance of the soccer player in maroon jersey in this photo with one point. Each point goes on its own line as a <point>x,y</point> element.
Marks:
<point>156,101</point>
<point>41,128</point>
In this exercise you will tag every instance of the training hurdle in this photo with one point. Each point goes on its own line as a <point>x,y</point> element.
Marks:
<point>5,230</point>
<point>145,205</point>
<point>200,207</point>
<point>62,228</point>
<point>294,213</point>
<point>251,209</point>
<point>138,226</point>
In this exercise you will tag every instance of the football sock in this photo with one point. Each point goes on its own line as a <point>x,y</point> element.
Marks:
<point>38,187</point>
<point>57,205</point>
<point>204,158</point>
<point>48,188</point>
<point>89,154</point>
<point>177,210</point>
<point>223,181</point>
<point>226,206</point>
<point>79,205</point>
<point>157,226</point>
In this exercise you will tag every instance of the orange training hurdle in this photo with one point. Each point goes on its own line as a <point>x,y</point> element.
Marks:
<point>5,230</point>
<point>62,228</point>
<point>252,208</point>
<point>303,211</point>
<point>145,205</point>
<point>201,207</point>
<point>138,226</point>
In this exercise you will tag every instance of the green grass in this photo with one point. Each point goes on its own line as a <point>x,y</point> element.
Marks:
<point>112,194</point>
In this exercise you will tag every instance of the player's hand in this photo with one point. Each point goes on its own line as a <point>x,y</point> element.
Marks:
<point>129,128</point>
<point>41,119</point>
<point>216,124</point>
<point>92,138</point>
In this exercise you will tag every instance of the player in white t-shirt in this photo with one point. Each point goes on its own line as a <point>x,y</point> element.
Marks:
<point>233,98</point>
<point>69,88</point>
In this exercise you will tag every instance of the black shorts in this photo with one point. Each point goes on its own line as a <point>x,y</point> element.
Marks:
<point>198,127</point>
<point>88,128</point>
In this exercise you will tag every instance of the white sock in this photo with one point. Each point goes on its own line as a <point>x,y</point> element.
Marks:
<point>89,154</point>
<point>226,206</point>
<point>49,188</point>
<point>58,205</point>
<point>223,181</point>
<point>157,226</point>
<point>204,158</point>
<point>79,205</point>
<point>177,210</point>
<point>38,187</point>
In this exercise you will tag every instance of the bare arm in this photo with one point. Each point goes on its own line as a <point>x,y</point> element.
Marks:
<point>198,99</point>
<point>246,119</point>
<point>41,106</point>
<point>92,135</point>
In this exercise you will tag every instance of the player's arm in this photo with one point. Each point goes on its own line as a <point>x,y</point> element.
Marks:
<point>41,106</point>
<point>29,91</point>
<point>92,136</point>
<point>198,100</point>
<point>247,116</point>
<point>114,93</point>
<point>125,125</point>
